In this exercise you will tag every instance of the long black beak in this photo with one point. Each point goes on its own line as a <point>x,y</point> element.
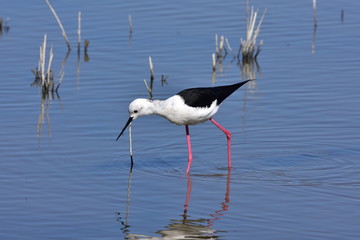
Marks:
<point>126,125</point>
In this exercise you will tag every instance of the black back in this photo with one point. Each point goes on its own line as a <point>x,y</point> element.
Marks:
<point>204,97</point>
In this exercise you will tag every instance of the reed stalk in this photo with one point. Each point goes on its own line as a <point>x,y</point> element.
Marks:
<point>59,22</point>
<point>44,76</point>
<point>229,47</point>
<point>79,31</point>
<point>150,88</point>
<point>48,72</point>
<point>147,86</point>
<point>152,77</point>
<point>314,11</point>
<point>130,24</point>
<point>42,61</point>
<point>213,62</point>
<point>248,47</point>
<point>221,45</point>
<point>86,45</point>
<point>151,69</point>
<point>216,43</point>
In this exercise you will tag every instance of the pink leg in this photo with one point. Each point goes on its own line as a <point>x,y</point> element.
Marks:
<point>189,149</point>
<point>228,136</point>
<point>188,194</point>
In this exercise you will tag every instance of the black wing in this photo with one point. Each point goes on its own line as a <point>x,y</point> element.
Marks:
<point>204,97</point>
<point>198,97</point>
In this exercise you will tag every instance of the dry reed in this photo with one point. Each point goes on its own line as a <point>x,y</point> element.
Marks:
<point>249,50</point>
<point>44,76</point>
<point>79,31</point>
<point>150,88</point>
<point>59,22</point>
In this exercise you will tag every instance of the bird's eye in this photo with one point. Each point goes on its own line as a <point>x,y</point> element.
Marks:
<point>135,111</point>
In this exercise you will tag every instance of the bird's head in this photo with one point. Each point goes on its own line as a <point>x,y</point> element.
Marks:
<point>137,108</point>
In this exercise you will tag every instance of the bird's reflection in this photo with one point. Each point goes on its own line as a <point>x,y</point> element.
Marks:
<point>185,227</point>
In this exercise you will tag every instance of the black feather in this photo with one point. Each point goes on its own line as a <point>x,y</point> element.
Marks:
<point>204,97</point>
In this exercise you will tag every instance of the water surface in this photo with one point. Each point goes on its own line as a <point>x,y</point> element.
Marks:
<point>295,129</point>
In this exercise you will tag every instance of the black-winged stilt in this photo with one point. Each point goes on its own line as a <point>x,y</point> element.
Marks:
<point>188,107</point>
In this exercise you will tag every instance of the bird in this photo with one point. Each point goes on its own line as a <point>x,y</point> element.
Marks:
<point>188,107</point>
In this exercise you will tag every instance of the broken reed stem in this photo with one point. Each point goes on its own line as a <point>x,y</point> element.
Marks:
<point>151,74</point>
<point>79,30</point>
<point>251,26</point>
<point>259,24</point>
<point>130,24</point>
<point>59,22</point>
<point>213,62</point>
<point>147,86</point>
<point>86,45</point>
<point>42,60</point>
<point>43,73</point>
<point>229,47</point>
<point>248,46</point>
<point>314,10</point>
<point>221,45</point>
<point>216,43</point>
<point>35,71</point>
<point>151,69</point>
<point>247,12</point>
<point>149,89</point>
<point>51,55</point>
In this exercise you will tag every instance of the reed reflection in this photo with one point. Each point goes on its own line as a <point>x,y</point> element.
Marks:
<point>313,40</point>
<point>184,227</point>
<point>314,29</point>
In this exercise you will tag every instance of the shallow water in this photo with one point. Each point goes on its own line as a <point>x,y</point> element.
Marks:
<point>295,129</point>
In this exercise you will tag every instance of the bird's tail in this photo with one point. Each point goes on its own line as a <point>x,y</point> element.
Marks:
<point>223,92</point>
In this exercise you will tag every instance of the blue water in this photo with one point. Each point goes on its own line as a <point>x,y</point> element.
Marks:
<point>296,129</point>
